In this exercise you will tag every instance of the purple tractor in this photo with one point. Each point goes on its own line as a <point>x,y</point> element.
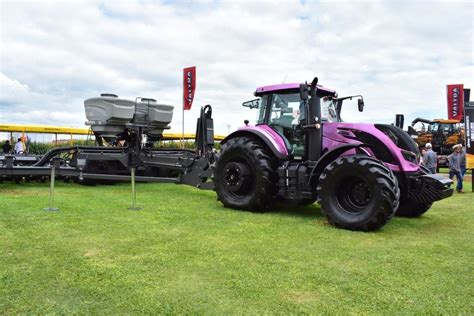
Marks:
<point>300,151</point>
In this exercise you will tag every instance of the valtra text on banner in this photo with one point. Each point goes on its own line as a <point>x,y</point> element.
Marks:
<point>189,85</point>
<point>455,101</point>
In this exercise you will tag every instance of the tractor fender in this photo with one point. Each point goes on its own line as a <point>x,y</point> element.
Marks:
<point>259,135</point>
<point>332,155</point>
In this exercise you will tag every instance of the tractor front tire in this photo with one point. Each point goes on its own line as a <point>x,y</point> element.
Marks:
<point>410,208</point>
<point>246,175</point>
<point>358,193</point>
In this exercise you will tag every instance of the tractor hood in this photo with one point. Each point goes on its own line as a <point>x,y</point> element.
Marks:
<point>387,142</point>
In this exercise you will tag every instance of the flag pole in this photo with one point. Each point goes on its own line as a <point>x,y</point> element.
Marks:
<point>184,100</point>
<point>182,130</point>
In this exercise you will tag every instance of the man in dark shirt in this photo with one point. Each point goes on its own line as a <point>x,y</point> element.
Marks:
<point>7,148</point>
<point>463,162</point>
<point>454,161</point>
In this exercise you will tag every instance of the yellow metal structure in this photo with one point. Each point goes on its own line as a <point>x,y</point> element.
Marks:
<point>44,129</point>
<point>64,130</point>
<point>444,121</point>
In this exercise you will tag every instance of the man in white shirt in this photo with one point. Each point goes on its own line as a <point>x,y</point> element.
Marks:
<point>19,148</point>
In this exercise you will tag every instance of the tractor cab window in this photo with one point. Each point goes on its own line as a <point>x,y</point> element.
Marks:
<point>287,110</point>
<point>286,116</point>
<point>262,109</point>
<point>328,109</point>
<point>433,127</point>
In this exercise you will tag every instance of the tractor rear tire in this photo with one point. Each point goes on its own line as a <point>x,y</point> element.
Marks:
<point>358,193</point>
<point>410,208</point>
<point>246,175</point>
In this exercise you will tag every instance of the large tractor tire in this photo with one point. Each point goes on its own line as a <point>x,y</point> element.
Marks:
<point>246,175</point>
<point>358,193</point>
<point>410,208</point>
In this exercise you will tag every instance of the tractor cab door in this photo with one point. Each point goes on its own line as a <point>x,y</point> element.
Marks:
<point>286,115</point>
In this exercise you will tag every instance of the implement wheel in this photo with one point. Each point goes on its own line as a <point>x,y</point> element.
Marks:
<point>358,193</point>
<point>246,175</point>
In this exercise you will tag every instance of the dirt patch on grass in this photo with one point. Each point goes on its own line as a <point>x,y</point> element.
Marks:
<point>18,192</point>
<point>300,297</point>
<point>91,253</point>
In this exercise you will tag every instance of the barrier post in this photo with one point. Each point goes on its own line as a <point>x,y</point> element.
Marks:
<point>51,207</point>
<point>134,206</point>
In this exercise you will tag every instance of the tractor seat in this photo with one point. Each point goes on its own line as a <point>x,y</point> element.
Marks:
<point>286,121</point>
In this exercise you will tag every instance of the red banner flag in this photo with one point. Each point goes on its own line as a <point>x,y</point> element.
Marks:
<point>189,85</point>
<point>455,101</point>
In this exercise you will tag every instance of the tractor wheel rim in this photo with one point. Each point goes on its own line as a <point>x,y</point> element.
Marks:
<point>237,177</point>
<point>354,195</point>
<point>360,194</point>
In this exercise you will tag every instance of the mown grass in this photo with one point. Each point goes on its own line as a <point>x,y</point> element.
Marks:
<point>186,254</point>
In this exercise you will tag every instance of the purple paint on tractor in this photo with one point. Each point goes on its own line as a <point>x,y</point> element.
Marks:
<point>286,86</point>
<point>333,135</point>
<point>270,134</point>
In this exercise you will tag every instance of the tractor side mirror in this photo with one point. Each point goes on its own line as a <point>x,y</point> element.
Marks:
<point>360,104</point>
<point>252,104</point>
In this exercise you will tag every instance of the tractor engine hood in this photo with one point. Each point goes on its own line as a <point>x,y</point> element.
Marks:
<point>387,142</point>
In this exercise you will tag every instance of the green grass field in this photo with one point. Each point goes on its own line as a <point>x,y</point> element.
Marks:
<point>186,254</point>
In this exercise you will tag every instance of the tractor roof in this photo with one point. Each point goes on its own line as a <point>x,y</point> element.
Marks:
<point>287,86</point>
<point>446,121</point>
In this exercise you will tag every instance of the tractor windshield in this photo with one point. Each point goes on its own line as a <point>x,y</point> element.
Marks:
<point>441,127</point>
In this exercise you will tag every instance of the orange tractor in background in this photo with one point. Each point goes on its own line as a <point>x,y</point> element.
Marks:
<point>441,133</point>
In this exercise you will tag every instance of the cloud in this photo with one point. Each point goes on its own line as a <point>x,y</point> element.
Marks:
<point>399,56</point>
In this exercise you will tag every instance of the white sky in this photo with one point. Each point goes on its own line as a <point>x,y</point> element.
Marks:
<point>399,55</point>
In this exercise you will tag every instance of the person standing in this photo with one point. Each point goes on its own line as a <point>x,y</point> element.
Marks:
<point>454,161</point>
<point>463,161</point>
<point>19,149</point>
<point>430,158</point>
<point>7,148</point>
<point>423,152</point>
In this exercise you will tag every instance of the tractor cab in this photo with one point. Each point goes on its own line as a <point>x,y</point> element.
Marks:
<point>282,108</point>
